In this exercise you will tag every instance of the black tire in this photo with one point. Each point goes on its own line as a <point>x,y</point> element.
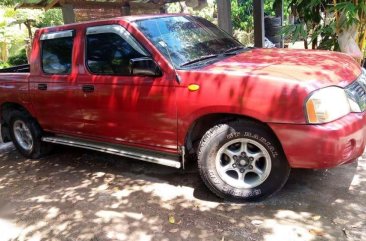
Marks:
<point>272,22</point>
<point>274,39</point>
<point>38,148</point>
<point>273,31</point>
<point>222,134</point>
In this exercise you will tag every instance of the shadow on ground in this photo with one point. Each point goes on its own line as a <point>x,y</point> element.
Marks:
<point>82,195</point>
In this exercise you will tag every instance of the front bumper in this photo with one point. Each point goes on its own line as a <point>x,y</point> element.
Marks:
<point>323,146</point>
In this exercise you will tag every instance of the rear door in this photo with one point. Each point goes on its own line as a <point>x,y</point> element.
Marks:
<point>117,106</point>
<point>53,89</point>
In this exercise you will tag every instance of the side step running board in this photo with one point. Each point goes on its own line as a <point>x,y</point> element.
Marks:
<point>143,155</point>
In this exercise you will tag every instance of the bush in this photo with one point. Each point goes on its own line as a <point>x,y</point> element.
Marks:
<point>3,65</point>
<point>18,59</point>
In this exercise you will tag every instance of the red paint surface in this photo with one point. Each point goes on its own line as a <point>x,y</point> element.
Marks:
<point>269,85</point>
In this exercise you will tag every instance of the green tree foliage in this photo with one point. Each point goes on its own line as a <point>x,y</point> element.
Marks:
<point>17,28</point>
<point>19,58</point>
<point>242,15</point>
<point>3,65</point>
<point>9,2</point>
<point>52,17</point>
<point>321,21</point>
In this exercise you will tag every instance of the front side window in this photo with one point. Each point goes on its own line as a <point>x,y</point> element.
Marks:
<point>183,39</point>
<point>110,49</point>
<point>57,55</point>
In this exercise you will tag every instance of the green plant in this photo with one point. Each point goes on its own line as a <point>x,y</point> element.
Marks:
<point>352,13</point>
<point>9,2</point>
<point>52,17</point>
<point>18,59</point>
<point>321,21</point>
<point>242,15</point>
<point>3,65</point>
<point>310,21</point>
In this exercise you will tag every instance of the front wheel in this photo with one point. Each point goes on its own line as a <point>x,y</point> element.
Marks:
<point>242,161</point>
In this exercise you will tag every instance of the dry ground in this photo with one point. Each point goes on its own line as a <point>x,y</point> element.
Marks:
<point>83,195</point>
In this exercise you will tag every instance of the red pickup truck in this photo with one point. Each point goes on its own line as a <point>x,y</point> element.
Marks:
<point>169,88</point>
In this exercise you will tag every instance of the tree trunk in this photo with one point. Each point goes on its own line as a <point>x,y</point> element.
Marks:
<point>314,43</point>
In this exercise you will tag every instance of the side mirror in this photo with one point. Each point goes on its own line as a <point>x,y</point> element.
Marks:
<point>144,66</point>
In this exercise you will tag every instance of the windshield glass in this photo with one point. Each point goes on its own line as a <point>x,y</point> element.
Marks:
<point>187,38</point>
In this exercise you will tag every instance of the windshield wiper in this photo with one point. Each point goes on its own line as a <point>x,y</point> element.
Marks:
<point>210,56</point>
<point>229,50</point>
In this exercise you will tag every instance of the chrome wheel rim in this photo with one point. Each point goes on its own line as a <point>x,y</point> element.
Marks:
<point>243,163</point>
<point>23,135</point>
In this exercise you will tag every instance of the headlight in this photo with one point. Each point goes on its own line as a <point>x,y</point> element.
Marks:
<point>326,105</point>
<point>356,93</point>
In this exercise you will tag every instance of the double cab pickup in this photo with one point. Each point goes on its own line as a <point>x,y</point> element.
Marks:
<point>172,88</point>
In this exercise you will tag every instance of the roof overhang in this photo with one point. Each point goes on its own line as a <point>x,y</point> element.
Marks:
<point>48,4</point>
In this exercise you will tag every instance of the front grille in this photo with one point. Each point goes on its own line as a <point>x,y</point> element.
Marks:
<point>357,91</point>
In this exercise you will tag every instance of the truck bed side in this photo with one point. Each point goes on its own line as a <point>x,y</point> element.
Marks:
<point>14,88</point>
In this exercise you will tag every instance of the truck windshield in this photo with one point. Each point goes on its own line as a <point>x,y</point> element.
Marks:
<point>186,40</point>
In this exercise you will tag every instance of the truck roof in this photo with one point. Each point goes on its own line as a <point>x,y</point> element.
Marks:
<point>130,18</point>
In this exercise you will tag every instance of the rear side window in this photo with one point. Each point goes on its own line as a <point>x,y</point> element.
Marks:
<point>57,55</point>
<point>109,50</point>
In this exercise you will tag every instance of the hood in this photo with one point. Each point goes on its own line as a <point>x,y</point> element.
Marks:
<point>302,67</point>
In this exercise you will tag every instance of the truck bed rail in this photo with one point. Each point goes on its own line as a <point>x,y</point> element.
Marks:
<point>24,68</point>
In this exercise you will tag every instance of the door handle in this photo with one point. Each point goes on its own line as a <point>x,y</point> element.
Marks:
<point>88,88</point>
<point>42,86</point>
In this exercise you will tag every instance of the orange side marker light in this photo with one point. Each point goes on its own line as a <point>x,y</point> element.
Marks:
<point>310,106</point>
<point>193,87</point>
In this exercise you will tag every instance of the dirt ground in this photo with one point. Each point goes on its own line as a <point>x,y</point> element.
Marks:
<point>82,195</point>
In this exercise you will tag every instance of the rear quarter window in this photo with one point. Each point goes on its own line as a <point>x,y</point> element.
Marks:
<point>57,55</point>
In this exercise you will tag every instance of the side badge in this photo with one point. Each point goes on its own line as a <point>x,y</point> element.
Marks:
<point>193,87</point>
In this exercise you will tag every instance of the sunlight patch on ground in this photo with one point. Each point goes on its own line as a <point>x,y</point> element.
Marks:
<point>290,225</point>
<point>167,192</point>
<point>8,230</point>
<point>108,216</point>
<point>359,177</point>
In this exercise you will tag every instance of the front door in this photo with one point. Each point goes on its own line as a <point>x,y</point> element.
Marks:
<point>119,107</point>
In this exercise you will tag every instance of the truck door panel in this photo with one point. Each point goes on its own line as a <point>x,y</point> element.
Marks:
<point>122,108</point>
<point>54,91</point>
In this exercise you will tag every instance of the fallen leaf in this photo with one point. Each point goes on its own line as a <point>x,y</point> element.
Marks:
<point>171,218</point>
<point>317,232</point>
<point>316,218</point>
<point>257,222</point>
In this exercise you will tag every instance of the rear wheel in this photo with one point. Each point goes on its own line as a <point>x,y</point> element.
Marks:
<point>242,161</point>
<point>26,135</point>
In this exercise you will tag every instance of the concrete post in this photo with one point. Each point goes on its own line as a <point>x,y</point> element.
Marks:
<point>258,15</point>
<point>68,13</point>
<point>279,13</point>
<point>125,9</point>
<point>224,15</point>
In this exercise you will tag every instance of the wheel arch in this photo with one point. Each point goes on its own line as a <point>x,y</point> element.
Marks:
<point>7,107</point>
<point>5,114</point>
